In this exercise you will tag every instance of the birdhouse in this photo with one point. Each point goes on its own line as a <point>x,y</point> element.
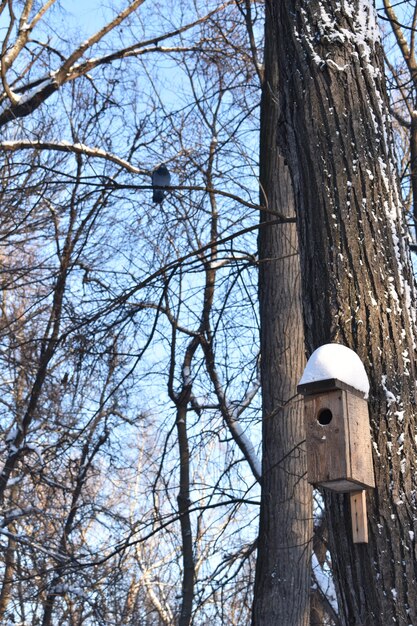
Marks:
<point>338,440</point>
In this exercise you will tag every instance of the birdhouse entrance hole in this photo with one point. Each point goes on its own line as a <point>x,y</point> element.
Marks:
<point>324,417</point>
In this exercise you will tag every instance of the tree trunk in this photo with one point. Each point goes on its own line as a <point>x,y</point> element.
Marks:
<point>413,166</point>
<point>334,133</point>
<point>183,499</point>
<point>282,585</point>
<point>6,592</point>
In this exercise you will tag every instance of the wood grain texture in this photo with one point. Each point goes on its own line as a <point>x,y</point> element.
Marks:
<point>339,453</point>
<point>328,456</point>
<point>359,517</point>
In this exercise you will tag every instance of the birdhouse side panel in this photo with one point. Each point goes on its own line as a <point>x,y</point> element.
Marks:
<point>326,437</point>
<point>360,441</point>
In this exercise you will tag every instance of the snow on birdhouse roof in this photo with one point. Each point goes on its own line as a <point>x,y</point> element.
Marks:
<point>334,361</point>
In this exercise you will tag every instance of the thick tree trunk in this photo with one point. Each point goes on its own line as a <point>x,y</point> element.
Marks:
<point>282,585</point>
<point>334,133</point>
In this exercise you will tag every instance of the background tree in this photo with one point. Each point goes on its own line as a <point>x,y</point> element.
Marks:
<point>400,62</point>
<point>107,298</point>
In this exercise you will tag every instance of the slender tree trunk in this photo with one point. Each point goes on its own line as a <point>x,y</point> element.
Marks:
<point>334,132</point>
<point>282,585</point>
<point>413,166</point>
<point>185,519</point>
<point>6,592</point>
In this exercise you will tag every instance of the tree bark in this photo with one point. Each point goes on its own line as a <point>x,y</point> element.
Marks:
<point>282,585</point>
<point>6,592</point>
<point>413,166</point>
<point>334,133</point>
<point>185,518</point>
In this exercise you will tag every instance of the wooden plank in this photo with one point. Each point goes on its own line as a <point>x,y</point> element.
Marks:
<point>341,486</point>
<point>361,467</point>
<point>359,518</point>
<point>330,384</point>
<point>328,443</point>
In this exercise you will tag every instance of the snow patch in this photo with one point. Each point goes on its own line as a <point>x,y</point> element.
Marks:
<point>336,361</point>
<point>325,583</point>
<point>389,396</point>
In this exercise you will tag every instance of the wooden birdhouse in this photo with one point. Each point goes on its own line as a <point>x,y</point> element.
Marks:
<point>338,439</point>
<point>339,455</point>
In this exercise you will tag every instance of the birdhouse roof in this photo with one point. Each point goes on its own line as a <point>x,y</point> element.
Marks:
<point>334,366</point>
<point>322,386</point>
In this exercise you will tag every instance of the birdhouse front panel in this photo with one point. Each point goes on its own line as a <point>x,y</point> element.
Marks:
<point>338,441</point>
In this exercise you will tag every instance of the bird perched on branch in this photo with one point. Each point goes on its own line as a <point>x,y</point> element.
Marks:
<point>160,178</point>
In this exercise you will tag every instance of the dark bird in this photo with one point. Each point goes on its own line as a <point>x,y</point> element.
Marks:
<point>160,178</point>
